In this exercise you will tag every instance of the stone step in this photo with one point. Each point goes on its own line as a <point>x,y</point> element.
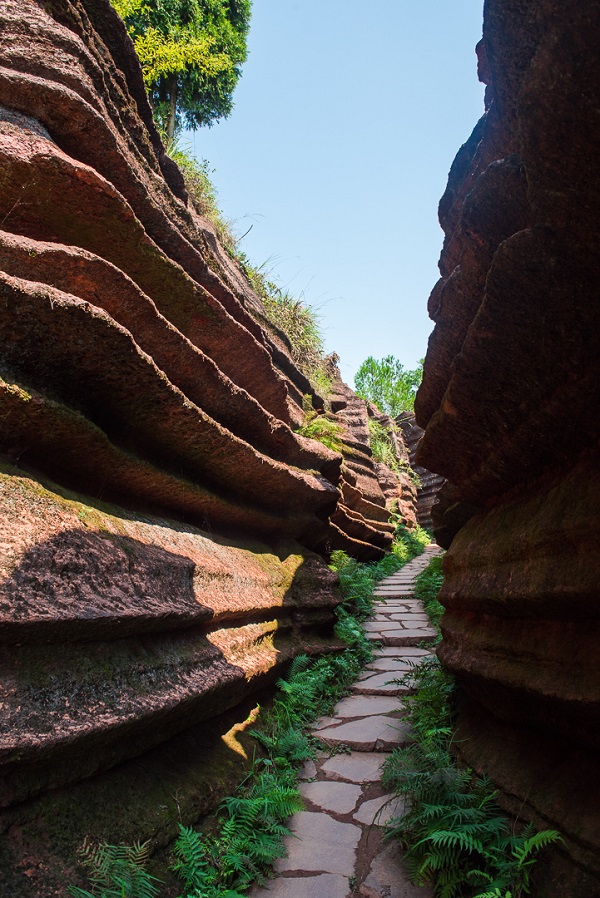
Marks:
<point>319,844</point>
<point>355,767</point>
<point>403,637</point>
<point>368,734</point>
<point>380,684</point>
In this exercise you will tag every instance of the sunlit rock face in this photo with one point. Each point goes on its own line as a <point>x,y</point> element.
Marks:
<point>158,507</point>
<point>370,490</point>
<point>510,403</point>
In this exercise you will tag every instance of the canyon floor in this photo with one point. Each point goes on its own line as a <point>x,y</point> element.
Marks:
<point>336,849</point>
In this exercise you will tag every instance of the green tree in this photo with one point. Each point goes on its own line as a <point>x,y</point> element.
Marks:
<point>191,52</point>
<point>388,385</point>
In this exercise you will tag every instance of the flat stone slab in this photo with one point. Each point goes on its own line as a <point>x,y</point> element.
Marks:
<point>409,651</point>
<point>357,767</point>
<point>379,811</point>
<point>395,589</point>
<point>399,588</point>
<point>368,734</point>
<point>392,665</point>
<point>319,844</point>
<point>340,798</point>
<point>391,607</point>
<point>388,878</point>
<point>327,885</point>
<point>401,637</point>
<point>379,684</point>
<point>323,722</point>
<point>408,616</point>
<point>309,771</point>
<point>378,626</point>
<point>365,706</point>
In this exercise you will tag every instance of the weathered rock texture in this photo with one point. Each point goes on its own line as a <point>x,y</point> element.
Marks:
<point>371,491</point>
<point>135,370</point>
<point>120,631</point>
<point>429,484</point>
<point>510,403</point>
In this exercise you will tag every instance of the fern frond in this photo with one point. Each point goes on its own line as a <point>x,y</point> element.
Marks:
<point>534,844</point>
<point>116,871</point>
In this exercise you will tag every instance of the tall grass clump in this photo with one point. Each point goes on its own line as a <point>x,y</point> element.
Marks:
<point>454,834</point>
<point>321,426</point>
<point>298,321</point>
<point>197,176</point>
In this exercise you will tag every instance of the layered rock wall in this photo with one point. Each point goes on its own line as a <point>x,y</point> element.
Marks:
<point>370,491</point>
<point>510,402</point>
<point>158,505</point>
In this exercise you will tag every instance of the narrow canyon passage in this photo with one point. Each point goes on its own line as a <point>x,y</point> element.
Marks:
<point>175,480</point>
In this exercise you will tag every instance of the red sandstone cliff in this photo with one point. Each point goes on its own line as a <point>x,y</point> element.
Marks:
<point>158,507</point>
<point>510,402</point>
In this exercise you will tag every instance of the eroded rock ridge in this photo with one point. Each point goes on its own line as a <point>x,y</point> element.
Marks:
<point>510,402</point>
<point>159,507</point>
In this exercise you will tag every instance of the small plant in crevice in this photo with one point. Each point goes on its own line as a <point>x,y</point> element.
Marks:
<point>319,426</point>
<point>453,832</point>
<point>197,176</point>
<point>381,441</point>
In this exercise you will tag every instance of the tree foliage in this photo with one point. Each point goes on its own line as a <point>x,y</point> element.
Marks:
<point>191,52</point>
<point>388,385</point>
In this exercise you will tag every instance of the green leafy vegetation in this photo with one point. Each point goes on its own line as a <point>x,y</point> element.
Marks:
<point>454,834</point>
<point>116,871</point>
<point>190,52</point>
<point>382,442</point>
<point>321,427</point>
<point>325,430</point>
<point>382,445</point>
<point>388,385</point>
<point>427,587</point>
<point>251,828</point>
<point>408,543</point>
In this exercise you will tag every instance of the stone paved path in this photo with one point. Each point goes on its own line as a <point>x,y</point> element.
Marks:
<point>337,848</point>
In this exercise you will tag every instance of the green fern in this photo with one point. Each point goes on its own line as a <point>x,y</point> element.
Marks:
<point>116,871</point>
<point>453,832</point>
<point>191,863</point>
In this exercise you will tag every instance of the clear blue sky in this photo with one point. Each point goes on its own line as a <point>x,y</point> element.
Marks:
<point>347,118</point>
